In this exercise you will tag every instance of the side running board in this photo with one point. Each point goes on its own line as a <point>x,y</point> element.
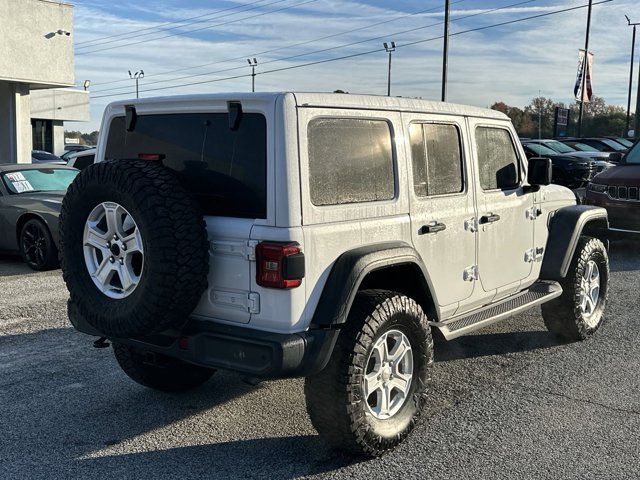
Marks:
<point>540,292</point>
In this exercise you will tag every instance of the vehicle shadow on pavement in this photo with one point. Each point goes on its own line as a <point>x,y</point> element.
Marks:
<point>483,345</point>
<point>13,265</point>
<point>68,402</point>
<point>271,457</point>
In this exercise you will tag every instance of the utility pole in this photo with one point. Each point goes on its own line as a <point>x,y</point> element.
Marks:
<point>253,63</point>
<point>137,76</point>
<point>445,53</point>
<point>585,68</point>
<point>390,48</point>
<point>633,51</point>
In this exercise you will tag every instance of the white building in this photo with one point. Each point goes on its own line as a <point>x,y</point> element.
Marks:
<point>36,61</point>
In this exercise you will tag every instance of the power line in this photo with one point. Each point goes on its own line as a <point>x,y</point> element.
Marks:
<point>203,28</point>
<point>336,47</point>
<point>159,27</point>
<point>242,57</point>
<point>377,50</point>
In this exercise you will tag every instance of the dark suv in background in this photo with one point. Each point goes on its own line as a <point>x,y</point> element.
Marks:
<point>618,190</point>
<point>568,171</point>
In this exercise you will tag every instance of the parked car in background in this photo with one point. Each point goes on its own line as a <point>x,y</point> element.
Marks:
<point>622,141</point>
<point>618,190</point>
<point>71,149</point>
<point>601,144</point>
<point>82,159</point>
<point>566,149</point>
<point>40,156</point>
<point>30,200</point>
<point>569,171</point>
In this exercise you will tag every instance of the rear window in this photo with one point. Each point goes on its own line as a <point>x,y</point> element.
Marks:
<point>350,161</point>
<point>226,170</point>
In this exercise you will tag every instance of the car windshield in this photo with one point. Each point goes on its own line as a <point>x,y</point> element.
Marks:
<point>584,147</point>
<point>40,180</point>
<point>633,157</point>
<point>613,144</point>
<point>539,149</point>
<point>559,146</point>
<point>624,142</point>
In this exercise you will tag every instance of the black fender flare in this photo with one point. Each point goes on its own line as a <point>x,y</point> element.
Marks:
<point>348,272</point>
<point>565,228</point>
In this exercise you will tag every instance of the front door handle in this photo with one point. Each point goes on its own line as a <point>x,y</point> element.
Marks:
<point>432,228</point>
<point>490,218</point>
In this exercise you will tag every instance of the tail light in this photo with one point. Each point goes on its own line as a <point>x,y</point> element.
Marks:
<point>151,157</point>
<point>279,265</point>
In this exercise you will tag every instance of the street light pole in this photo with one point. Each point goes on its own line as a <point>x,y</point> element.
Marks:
<point>390,48</point>
<point>633,51</point>
<point>253,62</point>
<point>585,68</point>
<point>637,125</point>
<point>137,76</point>
<point>445,53</point>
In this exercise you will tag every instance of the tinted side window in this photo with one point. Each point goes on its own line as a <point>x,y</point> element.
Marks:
<point>497,159</point>
<point>437,159</point>
<point>226,170</point>
<point>84,161</point>
<point>350,161</point>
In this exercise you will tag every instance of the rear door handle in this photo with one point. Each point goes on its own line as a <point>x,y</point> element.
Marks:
<point>433,228</point>
<point>490,218</point>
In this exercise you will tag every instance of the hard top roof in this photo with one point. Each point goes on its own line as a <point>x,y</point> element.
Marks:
<point>331,100</point>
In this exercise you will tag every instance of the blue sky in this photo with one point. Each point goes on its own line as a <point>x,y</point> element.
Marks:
<point>510,63</point>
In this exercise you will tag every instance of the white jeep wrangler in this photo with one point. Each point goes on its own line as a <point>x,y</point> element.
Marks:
<point>324,236</point>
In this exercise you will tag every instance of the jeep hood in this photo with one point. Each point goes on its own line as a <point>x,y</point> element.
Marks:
<point>621,175</point>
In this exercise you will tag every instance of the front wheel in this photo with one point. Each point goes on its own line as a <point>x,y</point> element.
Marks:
<point>158,371</point>
<point>37,247</point>
<point>578,312</point>
<point>372,392</point>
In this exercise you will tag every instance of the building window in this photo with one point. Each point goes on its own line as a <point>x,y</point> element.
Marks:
<point>42,133</point>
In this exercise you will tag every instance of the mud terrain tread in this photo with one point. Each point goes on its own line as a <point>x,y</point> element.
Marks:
<point>333,395</point>
<point>563,316</point>
<point>175,242</point>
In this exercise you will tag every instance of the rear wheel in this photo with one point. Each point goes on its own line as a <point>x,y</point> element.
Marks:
<point>158,371</point>
<point>578,312</point>
<point>372,392</point>
<point>37,247</point>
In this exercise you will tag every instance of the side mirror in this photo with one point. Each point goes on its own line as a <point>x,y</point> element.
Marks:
<point>540,171</point>
<point>615,157</point>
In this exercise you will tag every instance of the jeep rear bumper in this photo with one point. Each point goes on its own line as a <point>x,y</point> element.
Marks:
<point>252,352</point>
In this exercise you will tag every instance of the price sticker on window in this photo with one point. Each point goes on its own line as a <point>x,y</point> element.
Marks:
<point>16,177</point>
<point>22,186</point>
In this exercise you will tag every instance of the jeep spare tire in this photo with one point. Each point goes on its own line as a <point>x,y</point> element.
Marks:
<point>134,248</point>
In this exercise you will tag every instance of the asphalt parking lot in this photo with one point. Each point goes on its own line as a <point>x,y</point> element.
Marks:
<point>507,402</point>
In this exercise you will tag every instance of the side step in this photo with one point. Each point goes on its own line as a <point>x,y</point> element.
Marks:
<point>540,292</point>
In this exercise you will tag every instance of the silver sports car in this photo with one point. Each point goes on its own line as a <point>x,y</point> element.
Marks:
<point>30,201</point>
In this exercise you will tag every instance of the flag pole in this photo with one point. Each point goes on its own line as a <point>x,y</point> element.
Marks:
<point>585,68</point>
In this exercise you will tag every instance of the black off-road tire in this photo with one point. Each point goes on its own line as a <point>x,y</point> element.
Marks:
<point>563,315</point>
<point>42,257</point>
<point>176,258</point>
<point>159,371</point>
<point>334,396</point>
